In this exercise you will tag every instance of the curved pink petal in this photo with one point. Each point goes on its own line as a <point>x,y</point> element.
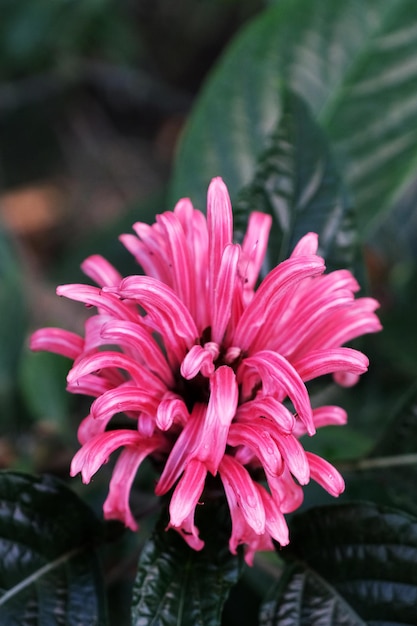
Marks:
<point>58,341</point>
<point>93,296</point>
<point>181,451</point>
<point>101,271</point>
<point>187,493</point>
<point>325,474</point>
<point>123,399</point>
<point>267,406</point>
<point>238,483</point>
<point>260,441</point>
<point>116,505</point>
<point>307,245</point>
<point>199,359</point>
<point>220,412</point>
<point>171,409</point>
<point>224,292</point>
<point>97,451</point>
<point>272,289</point>
<point>220,230</point>
<point>320,362</point>
<point>275,524</point>
<point>254,247</point>
<point>95,362</point>
<point>140,339</point>
<point>278,376</point>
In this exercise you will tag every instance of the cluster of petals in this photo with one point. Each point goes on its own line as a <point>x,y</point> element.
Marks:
<point>211,370</point>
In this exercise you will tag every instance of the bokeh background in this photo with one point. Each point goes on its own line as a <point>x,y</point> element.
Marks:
<point>94,98</point>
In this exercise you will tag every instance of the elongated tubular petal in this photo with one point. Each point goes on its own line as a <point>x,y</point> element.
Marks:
<point>100,360</point>
<point>275,524</point>
<point>219,227</point>
<point>260,441</point>
<point>189,532</point>
<point>93,296</point>
<point>101,271</point>
<point>148,259</point>
<point>224,291</point>
<point>198,359</point>
<point>307,245</point>
<point>116,505</point>
<point>237,479</point>
<point>180,265</point>
<point>268,407</point>
<point>91,385</point>
<point>271,290</point>
<point>275,371</point>
<point>171,409</point>
<point>319,362</point>
<point>220,412</point>
<point>325,474</point>
<point>123,399</point>
<point>172,318</point>
<point>310,320</point>
<point>57,341</point>
<point>358,319</point>
<point>323,416</point>
<point>96,452</point>
<point>187,493</point>
<point>90,428</point>
<point>254,246</point>
<point>294,457</point>
<point>182,451</point>
<point>285,491</point>
<point>136,336</point>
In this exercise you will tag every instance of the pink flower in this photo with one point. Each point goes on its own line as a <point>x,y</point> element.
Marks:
<point>211,371</point>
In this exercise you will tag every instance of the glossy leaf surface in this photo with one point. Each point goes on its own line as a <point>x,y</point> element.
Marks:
<point>349,565</point>
<point>49,572</point>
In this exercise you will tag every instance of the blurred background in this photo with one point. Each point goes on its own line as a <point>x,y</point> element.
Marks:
<point>94,96</point>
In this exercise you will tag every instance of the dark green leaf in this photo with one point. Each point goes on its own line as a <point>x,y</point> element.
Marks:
<point>354,63</point>
<point>49,572</point>
<point>349,565</point>
<point>296,182</point>
<point>176,585</point>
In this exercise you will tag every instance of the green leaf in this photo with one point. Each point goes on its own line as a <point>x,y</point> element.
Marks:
<point>296,182</point>
<point>350,565</point>
<point>49,571</point>
<point>353,62</point>
<point>176,585</point>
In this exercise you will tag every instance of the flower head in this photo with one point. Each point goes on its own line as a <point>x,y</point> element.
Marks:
<point>211,371</point>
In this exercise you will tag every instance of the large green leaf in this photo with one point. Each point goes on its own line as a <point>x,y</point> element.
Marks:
<point>177,586</point>
<point>49,572</point>
<point>349,565</point>
<point>296,182</point>
<point>354,63</point>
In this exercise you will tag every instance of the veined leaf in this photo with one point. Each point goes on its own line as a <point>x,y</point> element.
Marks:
<point>350,565</point>
<point>296,182</point>
<point>49,572</point>
<point>177,586</point>
<point>354,63</point>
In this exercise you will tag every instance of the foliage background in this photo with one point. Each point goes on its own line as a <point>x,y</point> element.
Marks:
<point>94,96</point>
